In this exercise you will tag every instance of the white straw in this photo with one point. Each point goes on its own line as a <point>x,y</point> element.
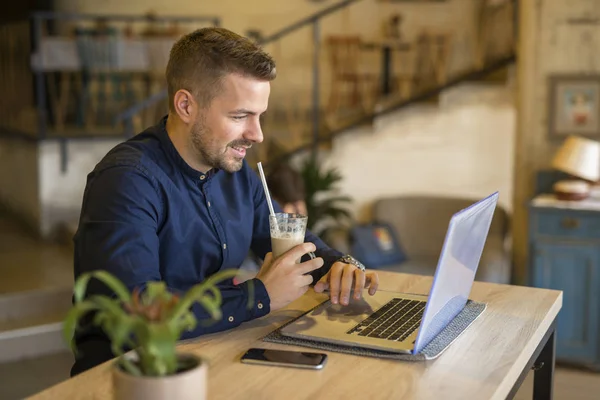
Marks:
<point>264,182</point>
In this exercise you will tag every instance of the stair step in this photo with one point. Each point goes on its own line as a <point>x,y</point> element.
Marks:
<point>31,323</point>
<point>32,341</point>
<point>501,75</point>
<point>34,303</point>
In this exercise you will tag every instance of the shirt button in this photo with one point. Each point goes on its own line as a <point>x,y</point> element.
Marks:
<point>202,177</point>
<point>224,246</point>
<point>260,306</point>
<point>209,203</point>
<point>230,319</point>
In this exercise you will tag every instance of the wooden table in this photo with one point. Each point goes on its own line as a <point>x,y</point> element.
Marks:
<point>489,361</point>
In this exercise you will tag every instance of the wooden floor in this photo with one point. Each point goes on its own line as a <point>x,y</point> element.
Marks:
<point>26,264</point>
<point>21,379</point>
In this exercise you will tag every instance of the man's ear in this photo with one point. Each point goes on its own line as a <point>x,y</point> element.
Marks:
<point>185,106</point>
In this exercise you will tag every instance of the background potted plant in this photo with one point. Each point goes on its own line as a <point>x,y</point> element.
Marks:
<point>150,322</point>
<point>327,211</point>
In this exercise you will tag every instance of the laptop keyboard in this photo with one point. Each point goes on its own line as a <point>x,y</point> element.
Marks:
<point>396,320</point>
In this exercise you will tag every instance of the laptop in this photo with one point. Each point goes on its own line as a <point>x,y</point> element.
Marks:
<point>401,322</point>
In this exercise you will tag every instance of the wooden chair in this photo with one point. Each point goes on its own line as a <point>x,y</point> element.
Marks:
<point>347,80</point>
<point>495,36</point>
<point>287,113</point>
<point>432,54</point>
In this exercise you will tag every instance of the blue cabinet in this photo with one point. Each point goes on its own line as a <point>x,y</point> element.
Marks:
<point>565,255</point>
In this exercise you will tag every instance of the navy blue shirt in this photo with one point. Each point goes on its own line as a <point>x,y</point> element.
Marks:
<point>148,216</point>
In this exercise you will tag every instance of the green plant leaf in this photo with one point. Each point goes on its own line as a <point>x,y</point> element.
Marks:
<point>215,313</point>
<point>130,367</point>
<point>117,323</point>
<point>71,320</point>
<point>114,284</point>
<point>321,201</point>
<point>120,333</point>
<point>216,293</point>
<point>154,290</point>
<point>160,357</point>
<point>111,305</point>
<point>105,277</point>
<point>80,287</point>
<point>199,292</point>
<point>186,323</point>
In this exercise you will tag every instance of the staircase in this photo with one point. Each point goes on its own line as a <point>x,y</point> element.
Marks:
<point>35,294</point>
<point>300,116</point>
<point>31,323</point>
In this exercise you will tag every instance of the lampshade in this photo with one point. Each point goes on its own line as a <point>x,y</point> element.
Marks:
<point>579,157</point>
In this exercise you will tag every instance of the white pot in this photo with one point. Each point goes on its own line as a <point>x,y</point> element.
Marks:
<point>189,384</point>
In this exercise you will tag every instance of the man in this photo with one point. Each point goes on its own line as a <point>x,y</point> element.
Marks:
<point>178,202</point>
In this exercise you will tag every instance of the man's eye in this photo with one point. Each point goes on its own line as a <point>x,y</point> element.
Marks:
<point>238,117</point>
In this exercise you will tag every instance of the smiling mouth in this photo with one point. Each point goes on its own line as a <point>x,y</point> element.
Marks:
<point>240,150</point>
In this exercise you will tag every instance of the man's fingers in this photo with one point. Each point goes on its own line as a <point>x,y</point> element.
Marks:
<point>310,265</point>
<point>346,284</point>
<point>268,260</point>
<point>306,280</point>
<point>323,284</point>
<point>359,282</point>
<point>266,265</point>
<point>296,252</point>
<point>335,276</point>
<point>373,282</point>
<point>304,289</point>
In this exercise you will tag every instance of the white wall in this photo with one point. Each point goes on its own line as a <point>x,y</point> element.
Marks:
<point>61,193</point>
<point>464,147</point>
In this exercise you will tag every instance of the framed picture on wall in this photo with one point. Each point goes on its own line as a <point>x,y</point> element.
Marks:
<point>574,106</point>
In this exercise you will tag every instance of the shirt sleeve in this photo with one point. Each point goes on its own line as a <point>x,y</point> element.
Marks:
<point>118,232</point>
<point>261,238</point>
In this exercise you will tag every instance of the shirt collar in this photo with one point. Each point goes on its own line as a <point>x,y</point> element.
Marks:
<point>165,140</point>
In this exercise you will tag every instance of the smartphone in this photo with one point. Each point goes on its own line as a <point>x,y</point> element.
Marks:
<point>285,358</point>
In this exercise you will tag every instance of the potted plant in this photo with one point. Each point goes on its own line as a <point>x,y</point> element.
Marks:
<point>150,322</point>
<point>327,211</point>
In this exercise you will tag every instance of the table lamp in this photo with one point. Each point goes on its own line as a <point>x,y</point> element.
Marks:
<point>580,158</point>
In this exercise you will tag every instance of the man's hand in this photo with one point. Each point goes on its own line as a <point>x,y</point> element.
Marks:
<point>285,280</point>
<point>342,277</point>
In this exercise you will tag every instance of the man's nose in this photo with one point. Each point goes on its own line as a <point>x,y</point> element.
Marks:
<point>254,132</point>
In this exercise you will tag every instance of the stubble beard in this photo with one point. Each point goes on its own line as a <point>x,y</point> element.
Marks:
<point>209,151</point>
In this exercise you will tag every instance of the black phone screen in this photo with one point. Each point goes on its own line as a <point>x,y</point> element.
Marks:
<point>285,357</point>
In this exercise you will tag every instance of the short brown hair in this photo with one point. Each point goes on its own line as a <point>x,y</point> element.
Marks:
<point>199,60</point>
<point>286,185</point>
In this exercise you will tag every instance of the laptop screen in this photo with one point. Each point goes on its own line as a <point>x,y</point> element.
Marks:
<point>457,265</point>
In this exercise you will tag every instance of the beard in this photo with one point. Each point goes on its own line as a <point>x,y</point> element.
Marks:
<point>212,153</point>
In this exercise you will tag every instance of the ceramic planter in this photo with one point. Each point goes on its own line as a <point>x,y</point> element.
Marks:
<point>188,384</point>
